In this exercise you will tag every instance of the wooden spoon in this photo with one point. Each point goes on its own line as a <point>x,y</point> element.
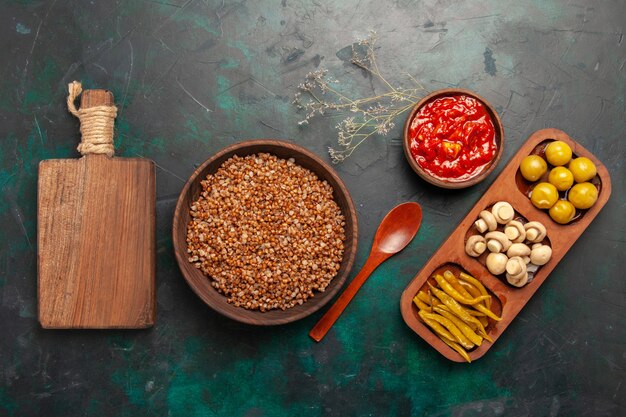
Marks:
<point>394,233</point>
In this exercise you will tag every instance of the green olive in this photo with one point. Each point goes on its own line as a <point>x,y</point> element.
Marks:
<point>583,195</point>
<point>562,212</point>
<point>583,169</point>
<point>561,178</point>
<point>544,195</point>
<point>533,167</point>
<point>558,153</point>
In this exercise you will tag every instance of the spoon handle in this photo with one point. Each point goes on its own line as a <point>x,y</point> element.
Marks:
<point>330,317</point>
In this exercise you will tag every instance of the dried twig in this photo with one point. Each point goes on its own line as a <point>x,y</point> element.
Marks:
<point>373,115</point>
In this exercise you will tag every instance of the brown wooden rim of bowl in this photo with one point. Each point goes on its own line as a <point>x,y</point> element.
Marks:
<point>272,317</point>
<point>499,131</point>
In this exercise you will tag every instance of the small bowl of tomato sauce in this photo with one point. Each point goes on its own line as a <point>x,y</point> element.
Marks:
<point>453,138</point>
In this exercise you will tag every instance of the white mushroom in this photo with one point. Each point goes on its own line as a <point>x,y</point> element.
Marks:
<point>535,231</point>
<point>523,280</point>
<point>496,263</point>
<point>503,212</point>
<point>516,272</point>
<point>518,249</point>
<point>540,254</point>
<point>515,231</point>
<point>527,260</point>
<point>515,267</point>
<point>475,245</point>
<point>532,268</point>
<point>486,222</point>
<point>497,242</point>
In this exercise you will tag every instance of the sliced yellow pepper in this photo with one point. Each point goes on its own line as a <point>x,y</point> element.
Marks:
<point>487,312</point>
<point>462,326</point>
<point>470,279</point>
<point>449,276</point>
<point>422,305</point>
<point>428,299</point>
<point>438,328</point>
<point>469,288</point>
<point>451,303</point>
<point>459,349</point>
<point>456,332</point>
<point>460,311</point>
<point>449,289</point>
<point>477,327</point>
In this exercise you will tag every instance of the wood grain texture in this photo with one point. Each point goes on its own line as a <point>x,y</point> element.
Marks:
<point>201,284</point>
<point>452,251</point>
<point>96,240</point>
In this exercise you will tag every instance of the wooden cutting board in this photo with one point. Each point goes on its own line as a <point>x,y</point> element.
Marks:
<point>96,239</point>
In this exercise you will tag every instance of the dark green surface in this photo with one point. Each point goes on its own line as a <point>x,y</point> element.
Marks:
<point>540,63</point>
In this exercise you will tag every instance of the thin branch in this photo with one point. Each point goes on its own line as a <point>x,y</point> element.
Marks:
<point>372,115</point>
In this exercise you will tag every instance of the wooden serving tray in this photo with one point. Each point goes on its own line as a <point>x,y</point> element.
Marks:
<point>507,300</point>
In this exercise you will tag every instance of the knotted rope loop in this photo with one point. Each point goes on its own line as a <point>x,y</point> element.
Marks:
<point>96,124</point>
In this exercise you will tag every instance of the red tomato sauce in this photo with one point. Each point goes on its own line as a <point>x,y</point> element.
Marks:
<point>453,138</point>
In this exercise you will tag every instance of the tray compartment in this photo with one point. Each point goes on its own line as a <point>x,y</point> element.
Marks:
<point>482,259</point>
<point>498,304</point>
<point>525,187</point>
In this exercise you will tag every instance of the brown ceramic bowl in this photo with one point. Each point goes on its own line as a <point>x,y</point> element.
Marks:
<point>499,132</point>
<point>201,284</point>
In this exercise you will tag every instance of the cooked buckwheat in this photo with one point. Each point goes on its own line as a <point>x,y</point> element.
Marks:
<point>267,231</point>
